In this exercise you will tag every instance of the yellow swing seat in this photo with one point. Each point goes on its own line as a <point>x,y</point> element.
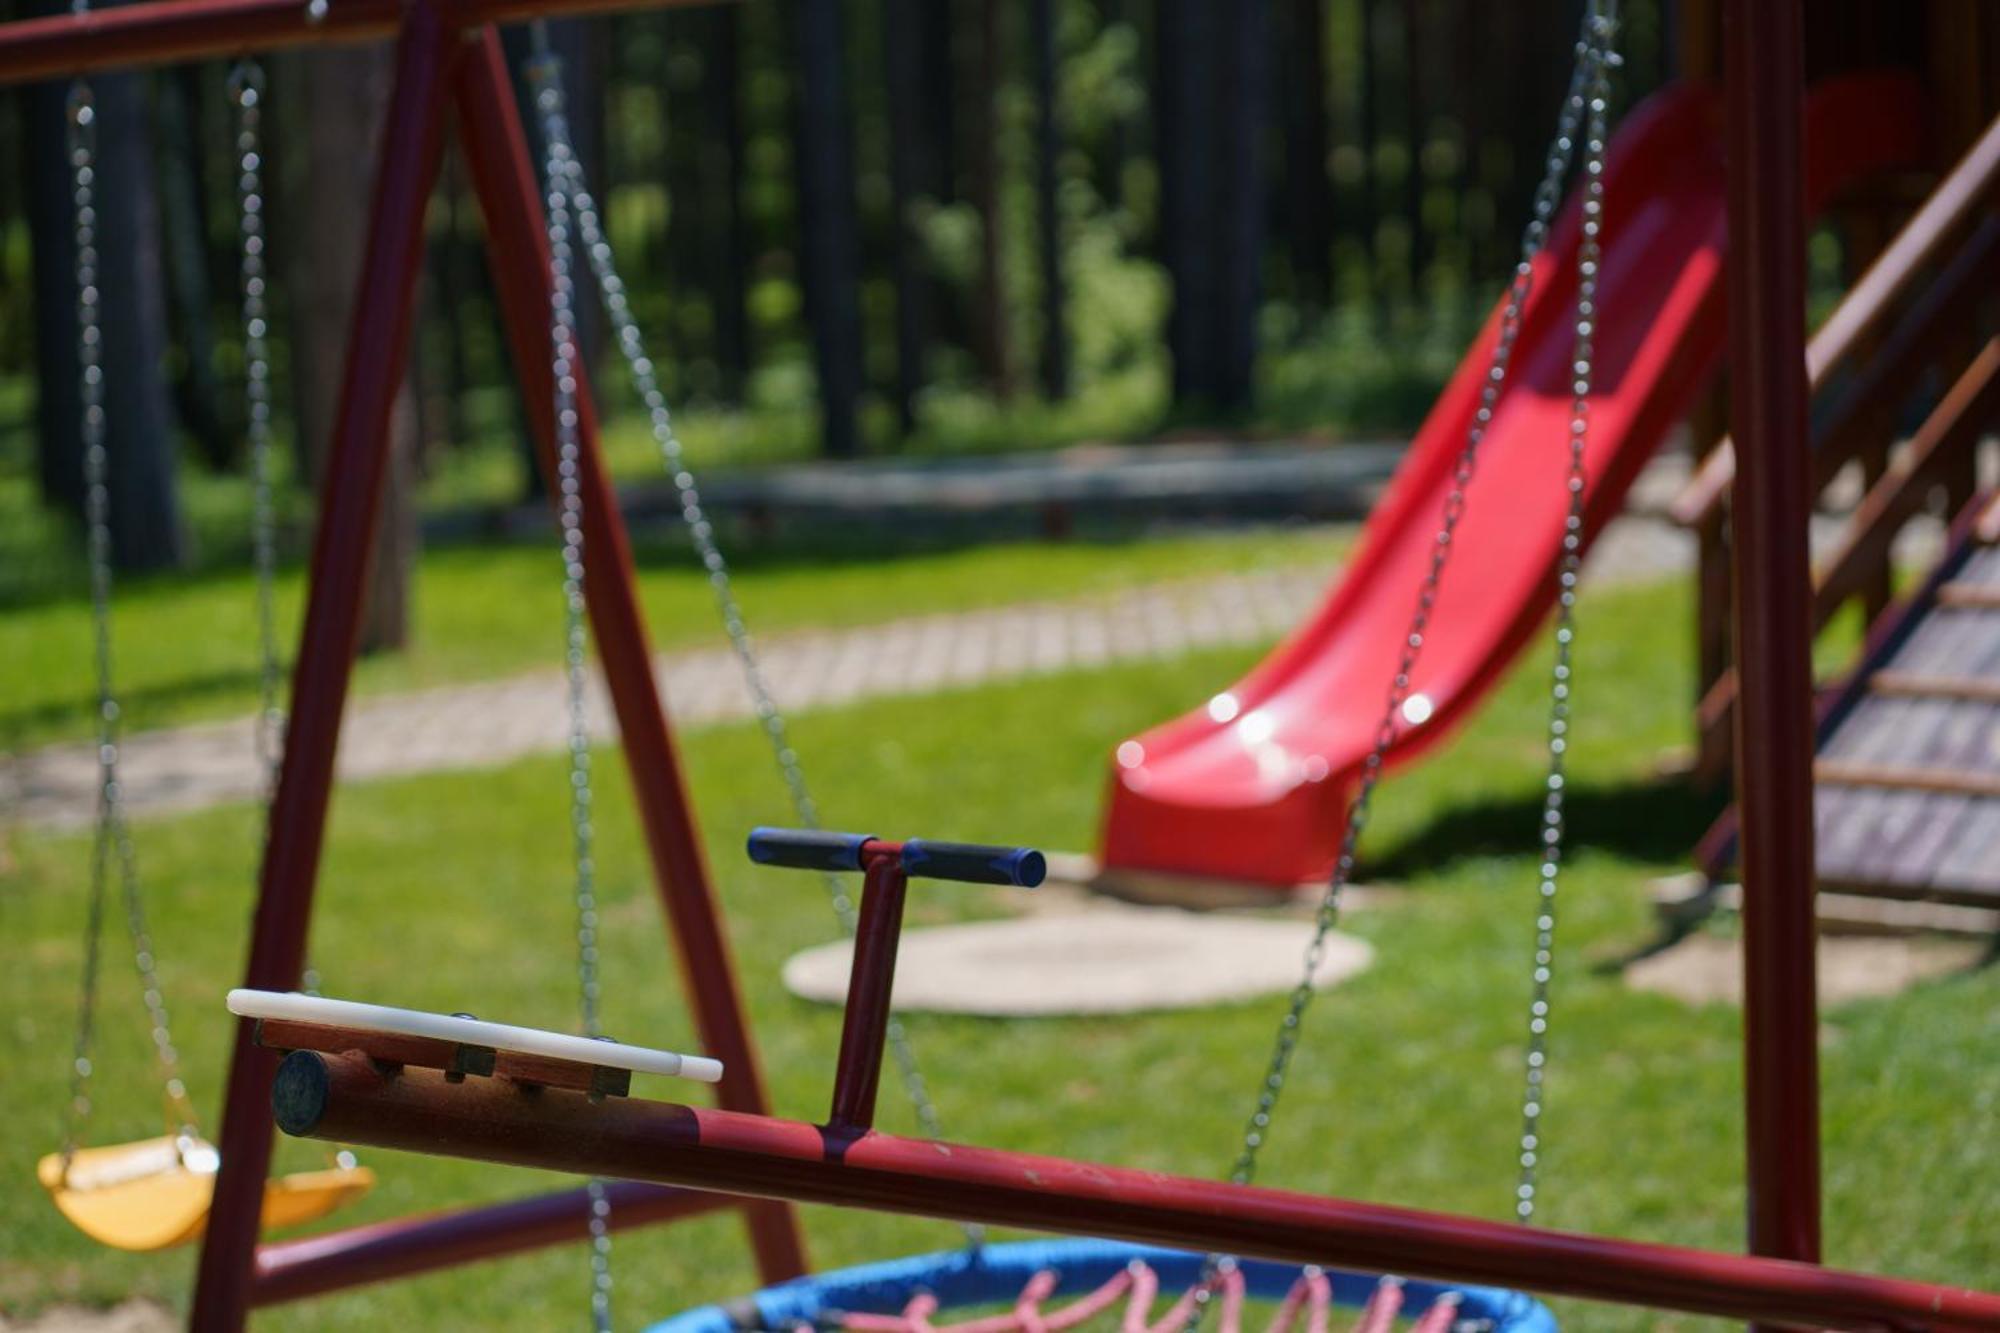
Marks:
<point>152,1194</point>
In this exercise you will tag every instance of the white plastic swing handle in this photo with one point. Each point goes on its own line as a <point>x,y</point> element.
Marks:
<point>293,1007</point>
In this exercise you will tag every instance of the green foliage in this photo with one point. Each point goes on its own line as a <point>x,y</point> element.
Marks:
<point>1405,1089</point>
<point>1127,301</point>
<point>1344,370</point>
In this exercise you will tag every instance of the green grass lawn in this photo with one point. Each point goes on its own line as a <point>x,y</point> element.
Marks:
<point>450,892</point>
<point>187,647</point>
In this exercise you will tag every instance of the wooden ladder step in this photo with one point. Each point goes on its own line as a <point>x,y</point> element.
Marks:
<point>1970,596</point>
<point>1920,685</point>
<point>1682,901</point>
<point>1907,777</point>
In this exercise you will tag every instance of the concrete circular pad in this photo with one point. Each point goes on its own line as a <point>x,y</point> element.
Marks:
<point>1104,960</point>
<point>1708,969</point>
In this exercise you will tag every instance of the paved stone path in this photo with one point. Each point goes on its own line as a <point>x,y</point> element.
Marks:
<point>471,726</point>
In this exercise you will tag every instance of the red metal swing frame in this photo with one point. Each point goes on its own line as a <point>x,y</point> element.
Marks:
<point>449,63</point>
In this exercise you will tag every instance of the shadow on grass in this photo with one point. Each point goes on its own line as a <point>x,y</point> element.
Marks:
<point>800,543</point>
<point>32,725</point>
<point>821,544</point>
<point>1658,820</point>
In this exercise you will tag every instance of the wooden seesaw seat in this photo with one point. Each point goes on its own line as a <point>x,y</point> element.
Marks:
<point>154,1193</point>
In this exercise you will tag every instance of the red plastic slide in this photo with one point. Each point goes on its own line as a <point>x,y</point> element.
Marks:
<point>1254,785</point>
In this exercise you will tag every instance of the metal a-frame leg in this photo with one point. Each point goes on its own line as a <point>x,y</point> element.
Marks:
<point>437,61</point>
<point>517,244</point>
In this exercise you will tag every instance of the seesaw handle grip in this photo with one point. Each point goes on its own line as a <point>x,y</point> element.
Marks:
<point>974,863</point>
<point>807,849</point>
<point>968,862</point>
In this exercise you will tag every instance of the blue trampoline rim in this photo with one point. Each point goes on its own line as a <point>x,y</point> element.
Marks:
<point>997,1272</point>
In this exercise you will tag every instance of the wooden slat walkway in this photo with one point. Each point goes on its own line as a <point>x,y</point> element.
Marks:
<point>1909,771</point>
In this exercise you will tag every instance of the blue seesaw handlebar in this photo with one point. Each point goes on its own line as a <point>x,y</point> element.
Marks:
<point>974,863</point>
<point>971,863</point>
<point>807,849</point>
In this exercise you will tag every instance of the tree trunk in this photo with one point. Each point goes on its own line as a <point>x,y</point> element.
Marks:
<point>684,267</point>
<point>1308,189</point>
<point>514,44</point>
<point>1416,128</point>
<point>936,35</point>
<point>1370,134</point>
<point>52,238</point>
<point>940,46</point>
<point>1469,55</point>
<point>1185,124</point>
<point>1213,110</point>
<point>198,393</point>
<point>909,168</point>
<point>1118,134</point>
<point>341,94</point>
<point>139,432</point>
<point>990,334</point>
<point>828,228</point>
<point>1243,42</point>
<point>1048,154</point>
<point>722,194</point>
<point>145,506</point>
<point>430,365</point>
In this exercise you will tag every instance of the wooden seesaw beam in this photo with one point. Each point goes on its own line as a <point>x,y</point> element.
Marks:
<point>346,1098</point>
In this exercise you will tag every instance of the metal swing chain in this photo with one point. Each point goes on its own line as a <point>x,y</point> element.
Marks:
<point>564,369</point>
<point>701,532</point>
<point>1590,48</point>
<point>113,838</point>
<point>246,92</point>
<point>1553,830</point>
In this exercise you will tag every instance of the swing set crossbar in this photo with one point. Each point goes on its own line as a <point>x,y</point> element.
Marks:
<point>170,32</point>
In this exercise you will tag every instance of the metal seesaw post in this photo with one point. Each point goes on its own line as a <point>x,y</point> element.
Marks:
<point>887,868</point>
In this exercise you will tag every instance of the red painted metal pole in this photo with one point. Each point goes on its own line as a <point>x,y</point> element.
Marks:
<point>377,352</point>
<point>871,985</point>
<point>1764,70</point>
<point>496,150</point>
<point>165,32</point>
<point>405,1246</point>
<point>345,1098</point>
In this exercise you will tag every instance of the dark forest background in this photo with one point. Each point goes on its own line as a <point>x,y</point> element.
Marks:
<point>849,228</point>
